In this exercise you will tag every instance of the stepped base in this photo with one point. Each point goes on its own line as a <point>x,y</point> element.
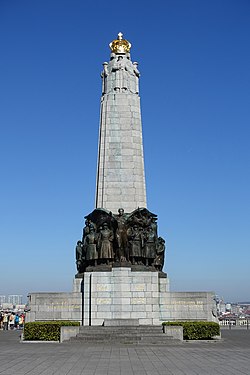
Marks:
<point>136,335</point>
<point>120,322</point>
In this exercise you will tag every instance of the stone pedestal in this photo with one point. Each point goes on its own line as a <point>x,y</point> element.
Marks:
<point>121,294</point>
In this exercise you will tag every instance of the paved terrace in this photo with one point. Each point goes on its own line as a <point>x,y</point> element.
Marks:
<point>230,356</point>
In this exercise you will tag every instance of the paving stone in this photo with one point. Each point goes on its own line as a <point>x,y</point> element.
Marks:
<point>229,356</point>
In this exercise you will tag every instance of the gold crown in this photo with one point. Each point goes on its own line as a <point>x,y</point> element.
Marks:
<point>120,45</point>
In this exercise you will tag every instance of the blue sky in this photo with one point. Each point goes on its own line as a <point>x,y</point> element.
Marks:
<point>194,60</point>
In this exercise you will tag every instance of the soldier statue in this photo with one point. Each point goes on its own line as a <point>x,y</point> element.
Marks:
<point>121,237</point>
<point>150,246</point>
<point>106,244</point>
<point>159,260</point>
<point>90,246</point>
<point>136,244</point>
<point>79,256</point>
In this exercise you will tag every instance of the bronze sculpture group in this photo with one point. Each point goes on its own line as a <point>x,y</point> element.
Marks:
<point>122,239</point>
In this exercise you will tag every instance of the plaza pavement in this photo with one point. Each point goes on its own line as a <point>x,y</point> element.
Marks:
<point>230,356</point>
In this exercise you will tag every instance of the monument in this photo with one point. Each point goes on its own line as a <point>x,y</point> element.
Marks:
<point>121,231</point>
<point>120,257</point>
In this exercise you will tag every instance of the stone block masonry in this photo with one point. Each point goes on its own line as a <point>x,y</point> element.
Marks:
<point>121,294</point>
<point>120,179</point>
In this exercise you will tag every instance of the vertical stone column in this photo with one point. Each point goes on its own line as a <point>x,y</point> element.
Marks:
<point>120,171</point>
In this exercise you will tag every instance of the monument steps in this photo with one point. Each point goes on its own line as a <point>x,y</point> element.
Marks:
<point>152,335</point>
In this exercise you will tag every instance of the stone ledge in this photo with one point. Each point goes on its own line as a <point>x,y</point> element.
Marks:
<point>120,322</point>
<point>175,331</point>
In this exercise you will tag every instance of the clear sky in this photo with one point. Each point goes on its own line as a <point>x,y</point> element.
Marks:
<point>194,58</point>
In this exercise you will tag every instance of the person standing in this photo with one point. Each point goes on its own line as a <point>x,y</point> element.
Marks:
<point>5,321</point>
<point>16,321</point>
<point>12,321</point>
<point>21,321</point>
<point>1,320</point>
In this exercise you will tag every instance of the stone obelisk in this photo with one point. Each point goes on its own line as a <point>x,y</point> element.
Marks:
<point>120,181</point>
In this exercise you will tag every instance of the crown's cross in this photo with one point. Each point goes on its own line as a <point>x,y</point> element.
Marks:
<point>120,35</point>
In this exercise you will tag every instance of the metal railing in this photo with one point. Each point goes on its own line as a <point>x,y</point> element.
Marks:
<point>235,323</point>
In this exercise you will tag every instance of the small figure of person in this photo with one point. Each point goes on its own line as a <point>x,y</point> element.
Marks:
<point>21,321</point>
<point>137,75</point>
<point>1,320</point>
<point>133,78</point>
<point>17,321</point>
<point>85,230</point>
<point>104,75</point>
<point>121,76</point>
<point>154,225</point>
<point>79,256</point>
<point>121,236</point>
<point>136,244</point>
<point>106,244</point>
<point>90,246</point>
<point>160,254</point>
<point>12,321</point>
<point>150,246</point>
<point>5,321</point>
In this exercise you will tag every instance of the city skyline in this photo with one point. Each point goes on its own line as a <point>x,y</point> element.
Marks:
<point>14,299</point>
<point>195,119</point>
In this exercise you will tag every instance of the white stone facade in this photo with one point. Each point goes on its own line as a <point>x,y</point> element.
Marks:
<point>54,306</point>
<point>122,294</point>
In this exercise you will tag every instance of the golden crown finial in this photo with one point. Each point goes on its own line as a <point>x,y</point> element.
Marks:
<point>120,45</point>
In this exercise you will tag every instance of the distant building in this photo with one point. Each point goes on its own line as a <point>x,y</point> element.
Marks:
<point>15,299</point>
<point>2,299</point>
<point>221,307</point>
<point>236,308</point>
